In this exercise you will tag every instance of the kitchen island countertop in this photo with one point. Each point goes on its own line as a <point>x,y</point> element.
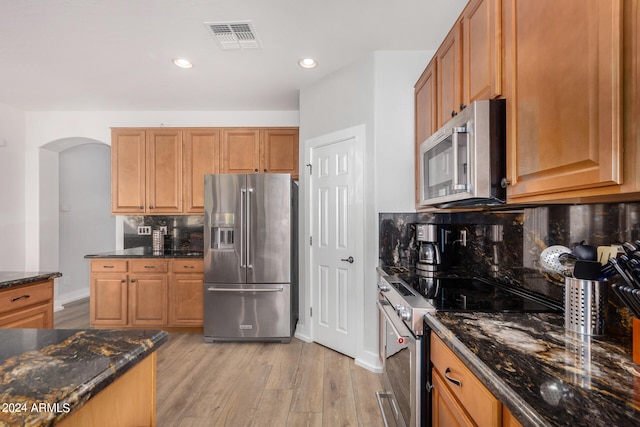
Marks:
<point>47,374</point>
<point>144,252</point>
<point>544,374</point>
<point>9,279</point>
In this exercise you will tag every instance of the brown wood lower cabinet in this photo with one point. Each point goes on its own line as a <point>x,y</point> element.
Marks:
<point>128,401</point>
<point>27,306</point>
<point>146,292</point>
<point>459,398</point>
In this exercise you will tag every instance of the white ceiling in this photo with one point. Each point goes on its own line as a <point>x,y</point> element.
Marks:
<point>68,55</point>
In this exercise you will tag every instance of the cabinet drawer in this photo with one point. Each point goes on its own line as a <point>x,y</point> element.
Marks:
<point>109,265</point>
<point>146,265</point>
<point>24,296</point>
<point>479,403</point>
<point>181,266</point>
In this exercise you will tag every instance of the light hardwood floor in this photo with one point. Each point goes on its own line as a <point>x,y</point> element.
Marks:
<point>253,384</point>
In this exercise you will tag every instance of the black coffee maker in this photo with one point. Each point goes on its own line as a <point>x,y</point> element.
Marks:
<point>429,258</point>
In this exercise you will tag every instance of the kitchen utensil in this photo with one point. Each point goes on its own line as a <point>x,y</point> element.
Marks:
<point>585,302</point>
<point>628,280</point>
<point>586,252</point>
<point>587,270</point>
<point>630,299</point>
<point>550,259</point>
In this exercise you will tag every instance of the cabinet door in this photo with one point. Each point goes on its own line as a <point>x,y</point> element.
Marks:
<point>201,157</point>
<point>482,50</point>
<point>564,92</point>
<point>446,410</point>
<point>425,114</point>
<point>38,316</point>
<point>186,299</point>
<point>128,171</point>
<point>164,171</point>
<point>240,150</point>
<point>280,151</point>
<point>449,67</point>
<point>148,299</point>
<point>109,302</point>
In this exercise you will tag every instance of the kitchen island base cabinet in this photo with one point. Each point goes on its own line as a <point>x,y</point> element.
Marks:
<point>128,401</point>
<point>27,306</point>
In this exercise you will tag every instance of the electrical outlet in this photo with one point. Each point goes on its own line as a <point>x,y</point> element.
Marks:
<point>163,228</point>
<point>144,230</point>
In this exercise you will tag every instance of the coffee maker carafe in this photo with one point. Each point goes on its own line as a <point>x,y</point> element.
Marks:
<point>429,259</point>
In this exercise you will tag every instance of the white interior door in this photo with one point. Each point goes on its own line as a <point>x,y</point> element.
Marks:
<point>336,265</point>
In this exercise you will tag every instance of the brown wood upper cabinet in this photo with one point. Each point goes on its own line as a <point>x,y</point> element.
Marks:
<point>564,87</point>
<point>161,170</point>
<point>201,157</point>
<point>469,60</point>
<point>146,171</point>
<point>260,151</point>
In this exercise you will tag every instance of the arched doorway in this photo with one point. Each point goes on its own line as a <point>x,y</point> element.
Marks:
<point>75,206</point>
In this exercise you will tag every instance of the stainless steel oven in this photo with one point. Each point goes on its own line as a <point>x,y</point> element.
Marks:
<point>401,311</point>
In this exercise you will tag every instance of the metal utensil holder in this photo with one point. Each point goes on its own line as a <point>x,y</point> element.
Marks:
<point>585,302</point>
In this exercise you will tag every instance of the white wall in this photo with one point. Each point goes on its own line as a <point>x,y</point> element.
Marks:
<point>86,224</point>
<point>12,194</point>
<point>343,100</point>
<point>377,92</point>
<point>42,128</point>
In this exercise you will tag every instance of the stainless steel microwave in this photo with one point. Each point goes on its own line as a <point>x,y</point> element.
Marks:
<point>464,162</point>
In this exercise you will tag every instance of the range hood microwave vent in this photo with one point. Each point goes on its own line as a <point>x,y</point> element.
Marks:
<point>234,35</point>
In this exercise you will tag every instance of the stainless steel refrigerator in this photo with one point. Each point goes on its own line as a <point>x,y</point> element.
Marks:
<point>250,257</point>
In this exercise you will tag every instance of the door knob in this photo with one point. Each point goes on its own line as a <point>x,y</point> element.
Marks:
<point>349,260</point>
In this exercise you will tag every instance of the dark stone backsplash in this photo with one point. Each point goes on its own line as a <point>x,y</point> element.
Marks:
<point>190,231</point>
<point>506,244</point>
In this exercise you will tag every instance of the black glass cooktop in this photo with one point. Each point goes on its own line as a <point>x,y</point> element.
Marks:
<point>474,294</point>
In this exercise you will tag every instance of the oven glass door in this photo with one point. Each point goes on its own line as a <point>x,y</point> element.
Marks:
<point>444,165</point>
<point>398,351</point>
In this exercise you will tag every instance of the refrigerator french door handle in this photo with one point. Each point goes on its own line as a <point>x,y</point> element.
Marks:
<point>212,289</point>
<point>243,195</point>
<point>249,195</point>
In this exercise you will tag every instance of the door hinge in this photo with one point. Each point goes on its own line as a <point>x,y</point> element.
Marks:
<point>310,240</point>
<point>310,168</point>
<point>310,311</point>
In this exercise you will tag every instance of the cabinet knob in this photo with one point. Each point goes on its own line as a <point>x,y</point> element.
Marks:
<point>151,207</point>
<point>462,106</point>
<point>123,281</point>
<point>504,182</point>
<point>255,170</point>
<point>265,170</point>
<point>141,207</point>
<point>133,280</point>
<point>453,113</point>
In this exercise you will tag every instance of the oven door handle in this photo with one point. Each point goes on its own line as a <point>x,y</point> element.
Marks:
<point>393,322</point>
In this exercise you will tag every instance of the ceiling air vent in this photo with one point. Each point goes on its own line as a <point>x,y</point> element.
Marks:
<point>234,35</point>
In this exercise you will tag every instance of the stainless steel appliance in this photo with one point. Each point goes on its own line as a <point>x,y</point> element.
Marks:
<point>250,257</point>
<point>404,298</point>
<point>429,259</point>
<point>464,161</point>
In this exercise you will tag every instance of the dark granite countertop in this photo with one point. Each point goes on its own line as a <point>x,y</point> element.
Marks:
<point>544,374</point>
<point>9,279</point>
<point>145,252</point>
<point>63,368</point>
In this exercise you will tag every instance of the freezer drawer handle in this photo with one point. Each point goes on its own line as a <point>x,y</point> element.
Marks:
<point>280,289</point>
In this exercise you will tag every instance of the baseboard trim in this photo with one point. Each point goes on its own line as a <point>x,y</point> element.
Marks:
<point>69,297</point>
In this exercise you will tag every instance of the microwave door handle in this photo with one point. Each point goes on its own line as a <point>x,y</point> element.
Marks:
<point>454,142</point>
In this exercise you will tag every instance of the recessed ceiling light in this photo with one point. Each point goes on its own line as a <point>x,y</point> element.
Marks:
<point>182,62</point>
<point>307,63</point>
